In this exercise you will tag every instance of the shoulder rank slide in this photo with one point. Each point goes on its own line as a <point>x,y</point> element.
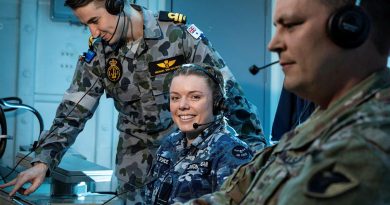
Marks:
<point>172,17</point>
<point>194,31</point>
<point>90,54</point>
<point>91,40</point>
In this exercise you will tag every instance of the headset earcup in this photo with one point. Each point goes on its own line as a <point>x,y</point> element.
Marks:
<point>219,105</point>
<point>349,27</point>
<point>115,7</point>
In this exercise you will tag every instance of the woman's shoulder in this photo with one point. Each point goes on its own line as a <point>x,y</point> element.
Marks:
<point>226,137</point>
<point>228,141</point>
<point>230,148</point>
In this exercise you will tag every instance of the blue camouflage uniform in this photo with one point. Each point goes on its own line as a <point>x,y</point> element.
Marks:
<point>138,82</point>
<point>183,172</point>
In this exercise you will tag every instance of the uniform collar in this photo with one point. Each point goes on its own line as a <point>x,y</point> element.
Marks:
<point>324,122</point>
<point>152,29</point>
<point>204,137</point>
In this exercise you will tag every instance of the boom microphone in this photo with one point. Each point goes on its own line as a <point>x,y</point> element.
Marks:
<point>254,69</point>
<point>196,125</point>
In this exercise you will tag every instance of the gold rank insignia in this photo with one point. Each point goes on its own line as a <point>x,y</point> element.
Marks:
<point>172,17</point>
<point>113,70</point>
<point>90,41</point>
<point>165,65</point>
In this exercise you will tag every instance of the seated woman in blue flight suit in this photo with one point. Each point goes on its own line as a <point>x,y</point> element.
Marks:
<point>195,160</point>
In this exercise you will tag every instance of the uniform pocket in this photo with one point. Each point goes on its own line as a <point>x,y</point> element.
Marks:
<point>127,93</point>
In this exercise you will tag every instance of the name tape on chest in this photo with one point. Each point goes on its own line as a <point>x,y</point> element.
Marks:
<point>172,17</point>
<point>196,166</point>
<point>163,160</point>
<point>165,65</point>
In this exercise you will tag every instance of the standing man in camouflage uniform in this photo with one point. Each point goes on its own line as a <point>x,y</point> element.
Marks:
<point>341,154</point>
<point>131,55</point>
<point>198,158</point>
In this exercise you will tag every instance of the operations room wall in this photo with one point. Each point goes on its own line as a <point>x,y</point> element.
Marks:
<point>39,56</point>
<point>9,28</point>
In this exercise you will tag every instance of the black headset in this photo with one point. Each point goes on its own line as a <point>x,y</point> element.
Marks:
<point>219,103</point>
<point>115,7</point>
<point>349,26</point>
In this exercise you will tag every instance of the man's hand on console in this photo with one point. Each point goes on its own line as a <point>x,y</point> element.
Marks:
<point>35,175</point>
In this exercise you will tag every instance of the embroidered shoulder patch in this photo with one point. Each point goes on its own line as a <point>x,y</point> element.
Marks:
<point>90,54</point>
<point>240,152</point>
<point>172,17</point>
<point>114,70</point>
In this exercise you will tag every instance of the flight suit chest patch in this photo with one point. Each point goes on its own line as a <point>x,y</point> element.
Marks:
<point>165,65</point>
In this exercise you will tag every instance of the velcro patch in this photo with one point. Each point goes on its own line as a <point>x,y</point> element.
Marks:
<point>192,167</point>
<point>165,65</point>
<point>203,167</point>
<point>172,17</point>
<point>205,164</point>
<point>163,160</point>
<point>240,152</point>
<point>88,56</point>
<point>330,181</point>
<point>194,31</point>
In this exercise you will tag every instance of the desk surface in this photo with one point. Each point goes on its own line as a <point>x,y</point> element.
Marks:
<point>42,196</point>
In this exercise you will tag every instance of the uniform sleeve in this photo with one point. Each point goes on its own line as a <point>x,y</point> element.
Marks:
<point>235,154</point>
<point>352,167</point>
<point>77,106</point>
<point>241,113</point>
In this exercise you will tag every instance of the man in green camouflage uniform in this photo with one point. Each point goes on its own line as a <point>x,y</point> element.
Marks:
<point>341,154</point>
<point>136,75</point>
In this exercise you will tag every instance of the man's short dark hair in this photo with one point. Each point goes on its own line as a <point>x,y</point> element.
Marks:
<point>74,4</point>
